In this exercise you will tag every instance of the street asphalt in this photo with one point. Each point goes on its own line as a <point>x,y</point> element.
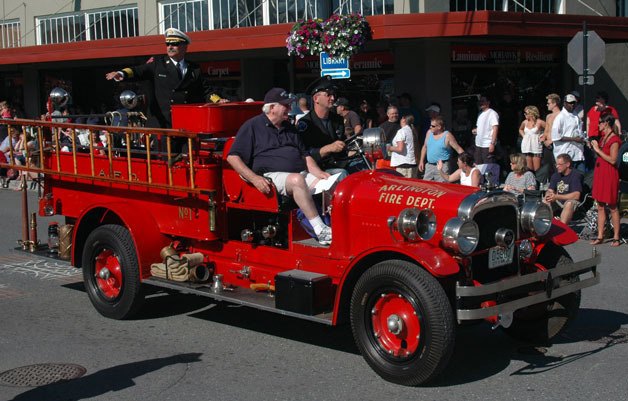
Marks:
<point>184,347</point>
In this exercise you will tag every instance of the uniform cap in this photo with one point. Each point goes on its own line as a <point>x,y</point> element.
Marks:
<point>321,84</point>
<point>343,101</point>
<point>433,108</point>
<point>278,95</point>
<point>173,35</point>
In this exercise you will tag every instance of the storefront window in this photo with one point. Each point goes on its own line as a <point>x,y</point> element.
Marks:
<point>511,77</point>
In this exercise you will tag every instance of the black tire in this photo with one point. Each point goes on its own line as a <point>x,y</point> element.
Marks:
<point>542,322</point>
<point>400,291</point>
<point>116,293</point>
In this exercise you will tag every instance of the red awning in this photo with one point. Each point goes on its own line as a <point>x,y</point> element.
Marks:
<point>479,24</point>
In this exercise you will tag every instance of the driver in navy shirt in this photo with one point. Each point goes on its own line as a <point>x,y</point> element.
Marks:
<point>267,147</point>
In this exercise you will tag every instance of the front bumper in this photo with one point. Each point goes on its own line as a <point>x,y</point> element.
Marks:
<point>529,289</point>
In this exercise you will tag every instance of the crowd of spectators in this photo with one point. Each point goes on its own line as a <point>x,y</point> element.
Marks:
<point>552,152</point>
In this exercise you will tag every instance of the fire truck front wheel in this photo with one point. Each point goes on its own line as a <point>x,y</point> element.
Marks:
<point>111,272</point>
<point>402,322</point>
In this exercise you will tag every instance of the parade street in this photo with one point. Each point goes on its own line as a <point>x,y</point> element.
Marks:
<point>185,347</point>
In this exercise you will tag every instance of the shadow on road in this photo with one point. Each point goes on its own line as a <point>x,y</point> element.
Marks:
<point>601,327</point>
<point>338,338</point>
<point>159,304</point>
<point>481,352</point>
<point>93,385</point>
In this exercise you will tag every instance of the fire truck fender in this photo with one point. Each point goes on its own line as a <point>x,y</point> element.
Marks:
<point>138,221</point>
<point>561,234</point>
<point>434,260</point>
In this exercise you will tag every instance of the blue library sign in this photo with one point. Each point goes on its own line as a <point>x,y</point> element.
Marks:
<point>337,68</point>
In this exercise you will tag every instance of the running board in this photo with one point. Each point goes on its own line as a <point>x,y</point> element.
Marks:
<point>237,295</point>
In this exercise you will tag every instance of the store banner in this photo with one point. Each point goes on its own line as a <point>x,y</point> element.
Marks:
<point>504,54</point>
<point>367,62</point>
<point>222,69</point>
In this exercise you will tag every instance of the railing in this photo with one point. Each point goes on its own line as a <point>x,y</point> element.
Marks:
<point>521,6</point>
<point>139,162</point>
<point>80,26</point>
<point>9,34</point>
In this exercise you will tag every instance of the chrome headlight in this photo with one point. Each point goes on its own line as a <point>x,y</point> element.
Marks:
<point>414,224</point>
<point>461,236</point>
<point>373,138</point>
<point>536,218</point>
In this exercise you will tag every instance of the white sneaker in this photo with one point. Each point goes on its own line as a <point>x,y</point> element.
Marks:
<point>324,237</point>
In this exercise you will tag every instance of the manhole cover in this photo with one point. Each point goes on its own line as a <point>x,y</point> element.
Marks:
<point>41,374</point>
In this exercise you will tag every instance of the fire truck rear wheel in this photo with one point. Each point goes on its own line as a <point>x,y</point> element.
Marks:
<point>402,322</point>
<point>541,323</point>
<point>111,272</point>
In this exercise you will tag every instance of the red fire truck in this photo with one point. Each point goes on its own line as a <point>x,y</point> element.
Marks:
<point>410,259</point>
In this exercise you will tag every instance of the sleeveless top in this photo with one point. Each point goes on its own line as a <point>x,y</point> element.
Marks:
<point>466,179</point>
<point>436,149</point>
<point>530,142</point>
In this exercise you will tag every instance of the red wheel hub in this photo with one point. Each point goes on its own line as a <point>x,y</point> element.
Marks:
<point>396,325</point>
<point>108,273</point>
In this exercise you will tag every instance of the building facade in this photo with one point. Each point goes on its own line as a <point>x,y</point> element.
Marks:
<point>436,51</point>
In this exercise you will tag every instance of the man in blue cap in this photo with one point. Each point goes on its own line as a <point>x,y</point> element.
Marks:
<point>267,147</point>
<point>175,80</point>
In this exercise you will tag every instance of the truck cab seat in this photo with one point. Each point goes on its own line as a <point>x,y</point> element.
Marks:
<point>241,194</point>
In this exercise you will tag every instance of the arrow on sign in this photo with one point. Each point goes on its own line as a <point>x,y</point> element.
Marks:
<point>340,73</point>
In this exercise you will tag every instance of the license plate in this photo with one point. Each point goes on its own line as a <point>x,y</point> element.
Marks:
<point>499,256</point>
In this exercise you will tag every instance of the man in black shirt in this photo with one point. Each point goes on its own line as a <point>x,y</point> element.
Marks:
<point>323,131</point>
<point>174,79</point>
<point>391,126</point>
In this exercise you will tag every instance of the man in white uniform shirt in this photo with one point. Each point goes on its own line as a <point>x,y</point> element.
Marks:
<point>567,134</point>
<point>486,133</point>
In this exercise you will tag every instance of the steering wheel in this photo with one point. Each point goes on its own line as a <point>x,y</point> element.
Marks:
<point>351,138</point>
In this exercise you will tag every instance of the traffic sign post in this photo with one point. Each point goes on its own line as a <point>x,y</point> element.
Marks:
<point>586,53</point>
<point>337,68</point>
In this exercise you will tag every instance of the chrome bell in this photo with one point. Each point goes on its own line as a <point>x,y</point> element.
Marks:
<point>59,97</point>
<point>128,99</point>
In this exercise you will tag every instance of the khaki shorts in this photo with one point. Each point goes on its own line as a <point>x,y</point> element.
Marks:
<point>563,203</point>
<point>279,179</point>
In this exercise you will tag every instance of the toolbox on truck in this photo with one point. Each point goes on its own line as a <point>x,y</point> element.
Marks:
<point>220,120</point>
<point>303,292</point>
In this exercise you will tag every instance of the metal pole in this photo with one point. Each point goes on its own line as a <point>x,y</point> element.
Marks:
<point>292,73</point>
<point>585,74</point>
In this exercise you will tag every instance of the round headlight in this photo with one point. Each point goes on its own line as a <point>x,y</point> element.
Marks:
<point>414,224</point>
<point>461,236</point>
<point>536,218</point>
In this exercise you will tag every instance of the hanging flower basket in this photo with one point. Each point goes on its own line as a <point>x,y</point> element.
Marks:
<point>345,35</point>
<point>340,36</point>
<point>305,38</point>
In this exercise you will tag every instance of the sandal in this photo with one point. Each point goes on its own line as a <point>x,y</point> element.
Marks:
<point>615,242</point>
<point>597,241</point>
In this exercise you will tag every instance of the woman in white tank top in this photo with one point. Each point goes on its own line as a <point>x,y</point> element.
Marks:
<point>530,132</point>
<point>467,173</point>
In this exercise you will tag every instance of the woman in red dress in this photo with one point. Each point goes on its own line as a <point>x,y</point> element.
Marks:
<point>606,178</point>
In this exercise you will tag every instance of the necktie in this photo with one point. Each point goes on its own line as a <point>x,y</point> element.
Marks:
<point>180,69</point>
